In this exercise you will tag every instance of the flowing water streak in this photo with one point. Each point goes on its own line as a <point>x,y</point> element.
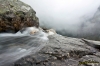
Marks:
<point>16,46</point>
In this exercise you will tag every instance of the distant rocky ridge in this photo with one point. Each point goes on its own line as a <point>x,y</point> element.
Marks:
<point>15,15</point>
<point>90,28</point>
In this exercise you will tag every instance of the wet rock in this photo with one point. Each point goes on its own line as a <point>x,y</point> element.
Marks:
<point>15,15</point>
<point>98,54</point>
<point>61,51</point>
<point>56,51</point>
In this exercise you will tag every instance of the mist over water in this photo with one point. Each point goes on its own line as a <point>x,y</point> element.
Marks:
<point>21,44</point>
<point>67,16</point>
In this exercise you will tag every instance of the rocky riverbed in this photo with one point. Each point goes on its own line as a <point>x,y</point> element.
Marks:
<point>56,51</point>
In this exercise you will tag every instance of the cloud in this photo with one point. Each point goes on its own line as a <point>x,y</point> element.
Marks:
<point>67,15</point>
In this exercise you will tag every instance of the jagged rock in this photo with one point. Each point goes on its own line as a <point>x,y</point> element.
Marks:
<point>15,15</point>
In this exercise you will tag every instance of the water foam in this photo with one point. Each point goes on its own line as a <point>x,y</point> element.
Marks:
<point>21,44</point>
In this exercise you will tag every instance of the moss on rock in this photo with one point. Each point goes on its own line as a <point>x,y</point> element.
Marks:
<point>15,15</point>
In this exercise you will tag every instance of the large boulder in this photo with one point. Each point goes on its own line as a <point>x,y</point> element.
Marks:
<point>15,15</point>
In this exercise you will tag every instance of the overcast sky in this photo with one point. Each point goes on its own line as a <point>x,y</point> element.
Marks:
<point>63,13</point>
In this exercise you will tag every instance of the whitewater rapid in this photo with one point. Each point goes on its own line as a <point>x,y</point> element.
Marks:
<point>21,44</point>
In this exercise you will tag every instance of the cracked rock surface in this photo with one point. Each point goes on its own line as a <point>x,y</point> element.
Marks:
<point>63,51</point>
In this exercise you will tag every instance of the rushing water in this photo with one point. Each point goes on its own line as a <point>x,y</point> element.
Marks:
<point>16,46</point>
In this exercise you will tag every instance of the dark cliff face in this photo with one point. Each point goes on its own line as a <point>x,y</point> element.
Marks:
<point>15,15</point>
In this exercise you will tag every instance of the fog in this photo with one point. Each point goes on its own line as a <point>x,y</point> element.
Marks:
<point>66,16</point>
